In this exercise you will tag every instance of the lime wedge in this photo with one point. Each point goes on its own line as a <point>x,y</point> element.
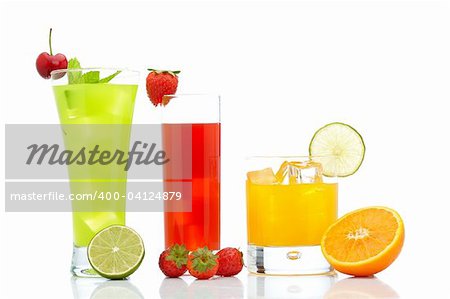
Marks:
<point>339,148</point>
<point>116,252</point>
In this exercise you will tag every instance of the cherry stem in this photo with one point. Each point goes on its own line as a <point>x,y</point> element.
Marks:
<point>50,41</point>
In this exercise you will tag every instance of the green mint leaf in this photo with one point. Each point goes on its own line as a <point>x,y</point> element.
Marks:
<point>74,64</point>
<point>74,77</point>
<point>90,77</point>
<point>77,77</point>
<point>109,78</point>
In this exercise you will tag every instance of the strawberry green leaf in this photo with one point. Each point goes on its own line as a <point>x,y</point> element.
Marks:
<point>173,73</point>
<point>203,259</point>
<point>178,254</point>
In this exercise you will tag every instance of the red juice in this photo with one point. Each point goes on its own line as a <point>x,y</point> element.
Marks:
<point>196,152</point>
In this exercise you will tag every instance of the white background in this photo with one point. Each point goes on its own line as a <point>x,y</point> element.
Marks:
<point>283,69</point>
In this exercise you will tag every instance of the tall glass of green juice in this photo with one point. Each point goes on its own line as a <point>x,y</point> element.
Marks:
<point>97,114</point>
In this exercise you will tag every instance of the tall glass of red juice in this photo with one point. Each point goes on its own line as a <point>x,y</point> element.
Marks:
<point>191,141</point>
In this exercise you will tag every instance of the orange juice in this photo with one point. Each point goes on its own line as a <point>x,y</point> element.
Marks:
<point>290,215</point>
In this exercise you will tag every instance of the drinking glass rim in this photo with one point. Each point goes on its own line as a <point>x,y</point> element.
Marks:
<point>288,156</point>
<point>203,95</point>
<point>59,71</point>
<point>206,98</point>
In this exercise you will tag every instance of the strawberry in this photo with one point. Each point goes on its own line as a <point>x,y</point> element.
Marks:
<point>202,263</point>
<point>230,261</point>
<point>172,261</point>
<point>161,83</point>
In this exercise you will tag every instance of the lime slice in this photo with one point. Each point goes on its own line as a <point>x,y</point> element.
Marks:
<point>116,252</point>
<point>339,148</point>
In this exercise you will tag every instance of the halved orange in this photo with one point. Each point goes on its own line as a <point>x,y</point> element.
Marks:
<point>365,241</point>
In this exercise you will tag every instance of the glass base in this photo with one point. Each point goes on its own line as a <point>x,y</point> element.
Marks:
<point>80,263</point>
<point>295,260</point>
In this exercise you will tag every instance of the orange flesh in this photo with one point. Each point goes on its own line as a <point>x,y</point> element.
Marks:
<point>361,236</point>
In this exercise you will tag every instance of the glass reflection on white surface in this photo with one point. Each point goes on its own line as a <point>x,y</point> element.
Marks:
<point>100,288</point>
<point>314,286</point>
<point>361,288</point>
<point>173,288</point>
<point>215,288</point>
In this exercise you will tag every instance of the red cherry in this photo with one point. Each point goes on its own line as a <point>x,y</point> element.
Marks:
<point>46,63</point>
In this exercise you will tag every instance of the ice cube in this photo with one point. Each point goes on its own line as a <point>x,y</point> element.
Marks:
<point>262,177</point>
<point>306,172</point>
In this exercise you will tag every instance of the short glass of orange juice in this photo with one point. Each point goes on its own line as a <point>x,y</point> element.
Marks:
<point>290,204</point>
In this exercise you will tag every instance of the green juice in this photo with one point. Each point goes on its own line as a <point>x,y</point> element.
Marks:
<point>103,115</point>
